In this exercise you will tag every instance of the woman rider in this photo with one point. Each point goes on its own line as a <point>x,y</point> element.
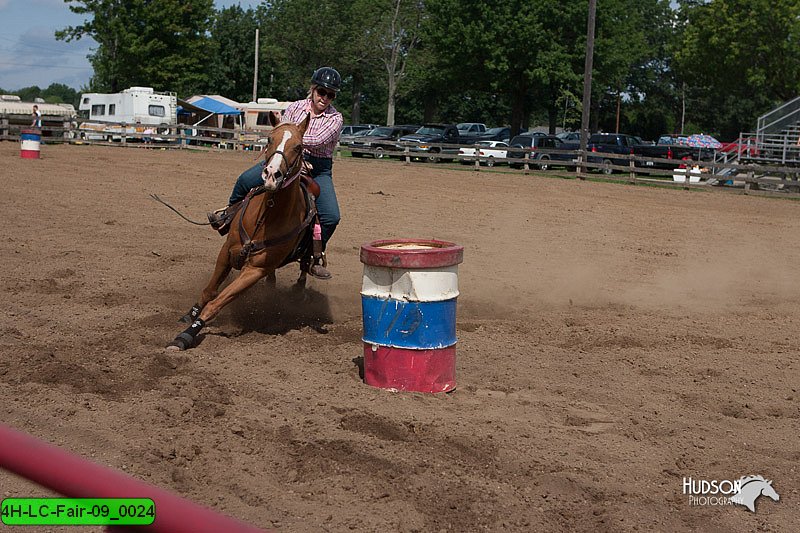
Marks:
<point>319,143</point>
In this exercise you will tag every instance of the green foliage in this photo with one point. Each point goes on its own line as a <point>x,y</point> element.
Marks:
<point>518,62</point>
<point>158,43</point>
<point>232,45</point>
<point>56,93</point>
<point>739,58</point>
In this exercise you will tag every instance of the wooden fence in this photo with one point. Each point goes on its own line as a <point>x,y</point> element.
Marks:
<point>783,179</point>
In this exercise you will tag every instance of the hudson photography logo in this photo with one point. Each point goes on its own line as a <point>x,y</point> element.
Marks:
<point>743,491</point>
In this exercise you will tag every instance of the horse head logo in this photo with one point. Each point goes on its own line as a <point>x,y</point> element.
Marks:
<point>751,488</point>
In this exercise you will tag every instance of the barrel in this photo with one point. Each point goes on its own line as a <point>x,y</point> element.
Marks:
<point>408,301</point>
<point>30,141</point>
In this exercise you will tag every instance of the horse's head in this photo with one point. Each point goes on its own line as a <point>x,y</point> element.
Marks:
<point>768,491</point>
<point>283,154</point>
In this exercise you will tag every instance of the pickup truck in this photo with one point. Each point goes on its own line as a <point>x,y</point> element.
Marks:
<point>471,132</point>
<point>620,143</point>
<point>381,140</point>
<point>423,143</point>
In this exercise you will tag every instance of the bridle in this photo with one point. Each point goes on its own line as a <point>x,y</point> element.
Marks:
<point>291,172</point>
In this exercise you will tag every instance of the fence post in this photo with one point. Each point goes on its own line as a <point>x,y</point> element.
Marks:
<point>579,166</point>
<point>525,166</point>
<point>686,177</point>
<point>124,129</point>
<point>632,176</point>
<point>4,128</point>
<point>407,153</point>
<point>748,183</point>
<point>477,158</point>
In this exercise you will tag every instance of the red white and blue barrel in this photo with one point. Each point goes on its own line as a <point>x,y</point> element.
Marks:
<point>31,140</point>
<point>408,301</point>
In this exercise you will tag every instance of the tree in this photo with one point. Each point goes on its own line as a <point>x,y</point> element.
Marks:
<point>58,93</point>
<point>397,35</point>
<point>738,59</point>
<point>232,45</point>
<point>525,51</point>
<point>159,43</point>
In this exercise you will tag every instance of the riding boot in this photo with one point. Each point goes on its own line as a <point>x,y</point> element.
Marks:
<point>220,220</point>
<point>318,268</point>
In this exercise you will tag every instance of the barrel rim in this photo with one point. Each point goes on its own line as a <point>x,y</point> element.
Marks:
<point>436,254</point>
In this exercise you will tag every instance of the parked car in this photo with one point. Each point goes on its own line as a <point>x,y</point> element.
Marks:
<point>347,140</point>
<point>534,143</point>
<point>350,130</point>
<point>488,152</point>
<point>470,132</point>
<point>569,136</point>
<point>497,134</point>
<point>381,140</point>
<point>658,155</point>
<point>426,141</point>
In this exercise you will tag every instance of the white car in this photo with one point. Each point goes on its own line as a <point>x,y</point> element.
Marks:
<point>488,153</point>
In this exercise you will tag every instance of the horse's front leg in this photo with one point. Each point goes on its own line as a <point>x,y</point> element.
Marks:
<point>221,270</point>
<point>249,276</point>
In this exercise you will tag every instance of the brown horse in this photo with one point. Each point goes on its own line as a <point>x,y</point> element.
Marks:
<point>271,228</point>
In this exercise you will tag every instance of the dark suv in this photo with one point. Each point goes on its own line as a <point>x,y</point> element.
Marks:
<point>532,143</point>
<point>381,140</point>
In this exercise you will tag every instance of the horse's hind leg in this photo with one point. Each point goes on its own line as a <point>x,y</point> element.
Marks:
<point>221,271</point>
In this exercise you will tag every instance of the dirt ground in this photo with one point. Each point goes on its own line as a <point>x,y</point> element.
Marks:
<point>612,340</point>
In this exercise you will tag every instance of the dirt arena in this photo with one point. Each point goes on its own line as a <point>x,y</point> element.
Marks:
<point>612,340</point>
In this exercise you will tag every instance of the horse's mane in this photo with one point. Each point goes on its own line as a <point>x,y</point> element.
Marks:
<point>747,479</point>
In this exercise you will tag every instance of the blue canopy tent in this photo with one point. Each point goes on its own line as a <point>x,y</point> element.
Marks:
<point>208,105</point>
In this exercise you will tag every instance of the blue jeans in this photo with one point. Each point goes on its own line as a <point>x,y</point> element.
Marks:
<point>327,204</point>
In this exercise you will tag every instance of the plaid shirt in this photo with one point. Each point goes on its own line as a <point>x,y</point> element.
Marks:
<point>323,130</point>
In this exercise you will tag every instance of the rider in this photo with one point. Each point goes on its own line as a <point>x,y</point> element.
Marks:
<point>319,143</point>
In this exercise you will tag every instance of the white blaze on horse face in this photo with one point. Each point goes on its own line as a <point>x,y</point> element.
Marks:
<point>272,170</point>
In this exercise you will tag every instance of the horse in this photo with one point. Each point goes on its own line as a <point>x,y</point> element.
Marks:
<point>751,488</point>
<point>272,228</point>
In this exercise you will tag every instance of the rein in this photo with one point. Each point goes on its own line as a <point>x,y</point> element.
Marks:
<point>250,247</point>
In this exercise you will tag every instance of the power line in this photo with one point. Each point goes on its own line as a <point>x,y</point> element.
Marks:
<point>30,45</point>
<point>15,64</point>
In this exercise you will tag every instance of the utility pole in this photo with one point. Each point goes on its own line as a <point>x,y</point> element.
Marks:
<point>587,83</point>
<point>683,106</point>
<point>255,71</point>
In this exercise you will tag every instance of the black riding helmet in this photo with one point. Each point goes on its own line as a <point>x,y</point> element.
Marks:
<point>328,78</point>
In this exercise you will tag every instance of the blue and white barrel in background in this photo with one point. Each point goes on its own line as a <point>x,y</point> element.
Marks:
<point>30,142</point>
<point>408,300</point>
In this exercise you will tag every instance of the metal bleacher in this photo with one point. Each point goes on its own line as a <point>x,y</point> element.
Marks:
<point>777,135</point>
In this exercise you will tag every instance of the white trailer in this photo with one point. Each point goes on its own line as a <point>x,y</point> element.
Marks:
<point>16,114</point>
<point>134,109</point>
<point>256,114</point>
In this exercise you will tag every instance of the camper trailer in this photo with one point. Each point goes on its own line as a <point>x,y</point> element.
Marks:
<point>133,109</point>
<point>256,114</point>
<point>256,119</point>
<point>16,114</point>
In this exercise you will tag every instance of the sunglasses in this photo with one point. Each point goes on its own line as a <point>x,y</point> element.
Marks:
<point>326,94</point>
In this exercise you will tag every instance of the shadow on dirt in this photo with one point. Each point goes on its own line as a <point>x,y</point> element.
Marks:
<point>278,310</point>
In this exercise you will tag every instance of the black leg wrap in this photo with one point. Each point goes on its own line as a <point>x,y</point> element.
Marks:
<point>186,339</point>
<point>193,313</point>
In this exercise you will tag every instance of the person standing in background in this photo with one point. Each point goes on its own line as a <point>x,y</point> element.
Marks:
<point>36,118</point>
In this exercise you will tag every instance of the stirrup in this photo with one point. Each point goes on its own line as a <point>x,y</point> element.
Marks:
<point>318,269</point>
<point>220,220</point>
